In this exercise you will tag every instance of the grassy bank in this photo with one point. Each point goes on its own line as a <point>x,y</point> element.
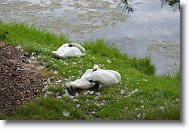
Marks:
<point>140,95</point>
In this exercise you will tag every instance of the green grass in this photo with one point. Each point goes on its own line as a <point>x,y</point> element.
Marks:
<point>146,96</point>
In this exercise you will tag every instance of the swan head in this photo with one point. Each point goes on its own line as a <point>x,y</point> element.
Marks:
<point>95,68</point>
<point>95,84</point>
<point>78,46</point>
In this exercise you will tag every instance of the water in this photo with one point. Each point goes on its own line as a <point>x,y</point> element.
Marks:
<point>139,28</point>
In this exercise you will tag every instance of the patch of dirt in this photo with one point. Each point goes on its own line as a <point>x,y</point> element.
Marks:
<point>20,79</point>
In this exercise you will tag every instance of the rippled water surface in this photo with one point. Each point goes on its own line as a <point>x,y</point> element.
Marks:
<point>138,27</point>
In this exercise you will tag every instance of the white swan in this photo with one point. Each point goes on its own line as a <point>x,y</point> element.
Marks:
<point>96,77</point>
<point>69,50</point>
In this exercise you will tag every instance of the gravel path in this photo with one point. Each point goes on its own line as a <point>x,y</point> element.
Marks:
<point>20,80</point>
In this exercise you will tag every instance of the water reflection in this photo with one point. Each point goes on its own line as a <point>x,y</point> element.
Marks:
<point>125,6</point>
<point>175,4</point>
<point>147,23</point>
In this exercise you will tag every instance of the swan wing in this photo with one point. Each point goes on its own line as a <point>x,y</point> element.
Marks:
<point>72,52</point>
<point>104,77</point>
<point>87,73</point>
<point>116,74</point>
<point>66,52</point>
<point>62,48</point>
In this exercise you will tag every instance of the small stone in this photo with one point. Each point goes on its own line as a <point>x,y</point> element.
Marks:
<point>19,69</point>
<point>55,72</point>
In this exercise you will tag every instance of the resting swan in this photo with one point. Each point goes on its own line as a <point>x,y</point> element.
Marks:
<point>96,77</point>
<point>69,50</point>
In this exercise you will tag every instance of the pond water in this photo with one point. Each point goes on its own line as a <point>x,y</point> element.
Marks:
<point>139,28</point>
